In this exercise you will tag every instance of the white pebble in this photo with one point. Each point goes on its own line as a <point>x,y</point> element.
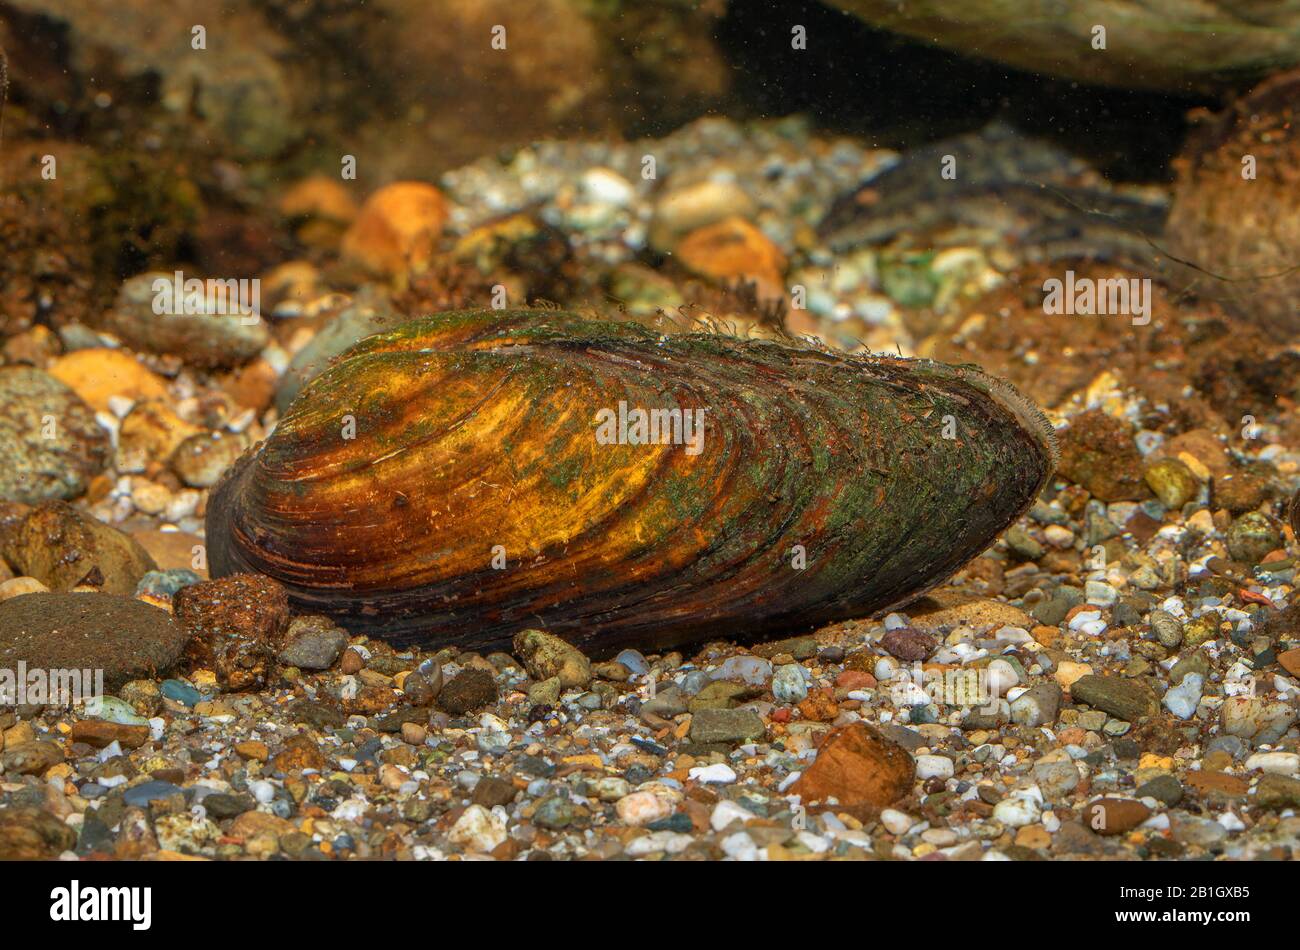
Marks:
<point>895,821</point>
<point>1277,763</point>
<point>1017,812</point>
<point>933,766</point>
<point>719,774</point>
<point>727,811</point>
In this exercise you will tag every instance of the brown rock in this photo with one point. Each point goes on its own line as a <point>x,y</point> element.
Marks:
<point>353,662</point>
<point>733,248</point>
<point>61,547</point>
<point>174,549</point>
<point>860,768</point>
<point>1290,661</point>
<point>299,753</point>
<point>30,758</point>
<point>253,823</point>
<point>1241,492</point>
<point>150,433</point>
<point>397,227</point>
<point>1217,784</point>
<point>1114,816</point>
<point>252,750</point>
<point>202,459</point>
<point>100,734</point>
<point>467,691</point>
<point>236,625</point>
<point>319,196</point>
<point>1098,453</point>
<point>1204,446</point>
<point>820,706</point>
<point>98,374</point>
<point>908,644</point>
<point>1277,791</point>
<point>122,636</point>
<point>31,834</point>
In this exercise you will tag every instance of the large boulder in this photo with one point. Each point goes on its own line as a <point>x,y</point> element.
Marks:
<point>1178,45</point>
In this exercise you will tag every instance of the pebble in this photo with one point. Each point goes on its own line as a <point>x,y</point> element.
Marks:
<point>642,808</point>
<point>934,766</point>
<point>138,796</point>
<point>1056,779</point>
<point>18,586</point>
<point>1182,700</point>
<point>1277,791</point>
<point>753,670</point>
<point>726,726</point>
<point>789,684</point>
<point>479,829</point>
<point>545,655</point>
<point>1100,594</point>
<point>1017,811</point>
<point>314,643</point>
<point>907,644</point>
<point>213,338</point>
<point>1115,816</point>
<point>396,228</point>
<point>1167,628</point>
<point>468,691</point>
<point>1262,721</point>
<point>1037,706</point>
<point>200,460</point>
<point>718,774</point>
<point>1124,699</point>
<point>42,460</point>
<point>896,822</point>
<point>1275,763</point>
<point>1251,537</point>
<point>860,768</point>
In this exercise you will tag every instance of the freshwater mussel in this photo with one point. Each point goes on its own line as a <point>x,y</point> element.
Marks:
<point>471,474</point>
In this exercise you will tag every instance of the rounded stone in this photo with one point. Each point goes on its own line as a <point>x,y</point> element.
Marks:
<point>124,637</point>
<point>49,439</point>
<point>217,336</point>
<point>1172,481</point>
<point>62,546</point>
<point>1251,537</point>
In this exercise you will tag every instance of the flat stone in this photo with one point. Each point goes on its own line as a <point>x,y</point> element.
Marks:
<point>858,767</point>
<point>1277,791</point>
<point>1124,699</point>
<point>126,638</point>
<point>99,734</point>
<point>726,725</point>
<point>1220,784</point>
<point>1114,816</point>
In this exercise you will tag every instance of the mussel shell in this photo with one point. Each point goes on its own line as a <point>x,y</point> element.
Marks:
<point>477,429</point>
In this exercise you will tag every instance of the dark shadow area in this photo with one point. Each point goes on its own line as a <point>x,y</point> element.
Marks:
<point>900,93</point>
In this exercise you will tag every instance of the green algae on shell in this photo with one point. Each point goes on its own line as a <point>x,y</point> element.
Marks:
<point>443,482</point>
